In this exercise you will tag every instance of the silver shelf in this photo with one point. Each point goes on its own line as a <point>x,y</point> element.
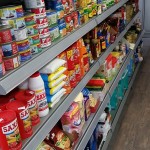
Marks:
<point>15,77</point>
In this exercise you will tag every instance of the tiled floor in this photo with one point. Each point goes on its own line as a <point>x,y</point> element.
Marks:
<point>134,129</point>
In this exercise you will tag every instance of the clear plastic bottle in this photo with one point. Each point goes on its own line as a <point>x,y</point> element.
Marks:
<point>36,84</point>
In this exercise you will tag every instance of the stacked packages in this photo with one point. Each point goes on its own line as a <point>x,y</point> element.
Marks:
<point>53,76</point>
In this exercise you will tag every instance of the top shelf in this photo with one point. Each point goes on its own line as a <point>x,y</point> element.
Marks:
<point>15,77</point>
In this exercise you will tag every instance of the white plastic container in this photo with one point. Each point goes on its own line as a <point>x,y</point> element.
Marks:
<point>36,84</point>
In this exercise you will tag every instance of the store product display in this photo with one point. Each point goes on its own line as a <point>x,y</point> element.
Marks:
<point>44,23</point>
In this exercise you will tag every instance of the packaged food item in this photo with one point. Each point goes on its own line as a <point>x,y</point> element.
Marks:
<point>60,11</point>
<point>9,49</point>
<point>52,66</point>
<point>25,55</point>
<point>9,128</point>
<point>72,78</point>
<point>11,62</point>
<point>16,23</point>
<point>34,39</point>
<point>87,108</point>
<point>11,11</point>
<point>44,32</point>
<point>29,19</point>
<point>54,33</point>
<point>59,139</point>
<point>70,58</point>
<point>42,22</point>
<point>77,72</point>
<point>52,18</point>
<point>20,34</point>
<point>39,12</point>
<point>69,23</point>
<point>36,48</point>
<point>55,82</point>
<point>44,146</point>
<point>5,34</point>
<point>34,3</point>
<point>2,69</point>
<point>45,42</point>
<point>53,98</point>
<point>53,76</point>
<point>62,27</point>
<point>55,89</point>
<point>71,122</point>
<point>36,84</point>
<point>29,97</point>
<point>65,6</point>
<point>23,45</point>
<point>23,117</point>
<point>75,19</point>
<point>32,30</point>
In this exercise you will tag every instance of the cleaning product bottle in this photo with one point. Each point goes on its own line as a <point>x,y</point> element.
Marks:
<point>36,84</point>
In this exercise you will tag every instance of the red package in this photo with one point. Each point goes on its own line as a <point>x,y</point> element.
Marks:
<point>86,62</point>
<point>70,58</point>
<point>76,53</point>
<point>72,77</point>
<point>75,19</point>
<point>78,72</point>
<point>69,23</point>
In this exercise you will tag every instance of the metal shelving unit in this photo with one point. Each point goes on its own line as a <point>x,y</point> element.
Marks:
<point>48,122</point>
<point>17,76</point>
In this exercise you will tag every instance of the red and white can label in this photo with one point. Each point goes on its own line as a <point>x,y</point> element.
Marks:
<point>45,42</point>
<point>39,12</point>
<point>11,131</point>
<point>5,36</point>
<point>44,32</point>
<point>42,22</point>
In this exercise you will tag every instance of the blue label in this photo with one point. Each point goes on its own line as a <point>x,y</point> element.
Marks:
<point>22,48</point>
<point>25,58</point>
<point>7,50</point>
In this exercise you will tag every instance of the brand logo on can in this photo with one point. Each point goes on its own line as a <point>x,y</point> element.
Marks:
<point>24,114</point>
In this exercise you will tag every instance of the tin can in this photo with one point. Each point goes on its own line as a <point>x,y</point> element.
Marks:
<point>34,39</point>
<point>52,18</point>
<point>9,49</point>
<point>21,34</point>
<point>45,42</point>
<point>9,131</point>
<point>25,55</point>
<point>39,12</point>
<point>29,19</point>
<point>34,3</point>
<point>36,48</point>
<point>5,34</point>
<point>23,45</point>
<point>32,30</point>
<point>12,62</point>
<point>23,116</point>
<point>16,23</point>
<point>54,33</point>
<point>42,22</point>
<point>11,11</point>
<point>44,32</point>
<point>2,69</point>
<point>30,98</point>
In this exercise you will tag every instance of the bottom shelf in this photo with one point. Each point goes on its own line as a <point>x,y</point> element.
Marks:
<point>116,114</point>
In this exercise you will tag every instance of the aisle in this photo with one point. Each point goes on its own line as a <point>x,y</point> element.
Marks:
<point>134,130</point>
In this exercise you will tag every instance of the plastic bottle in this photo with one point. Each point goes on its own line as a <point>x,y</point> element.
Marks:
<point>24,85</point>
<point>36,84</point>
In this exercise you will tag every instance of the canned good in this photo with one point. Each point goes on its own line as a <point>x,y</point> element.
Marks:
<point>52,18</point>
<point>25,55</point>
<point>45,42</point>
<point>44,32</point>
<point>23,45</point>
<point>23,116</point>
<point>9,128</point>
<point>5,34</point>
<point>2,69</point>
<point>29,19</point>
<point>34,3</point>
<point>32,30</point>
<point>9,49</point>
<point>42,22</point>
<point>16,23</point>
<point>34,39</point>
<point>29,97</point>
<point>36,48</point>
<point>21,34</point>
<point>39,12</point>
<point>11,11</point>
<point>12,62</point>
<point>54,33</point>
